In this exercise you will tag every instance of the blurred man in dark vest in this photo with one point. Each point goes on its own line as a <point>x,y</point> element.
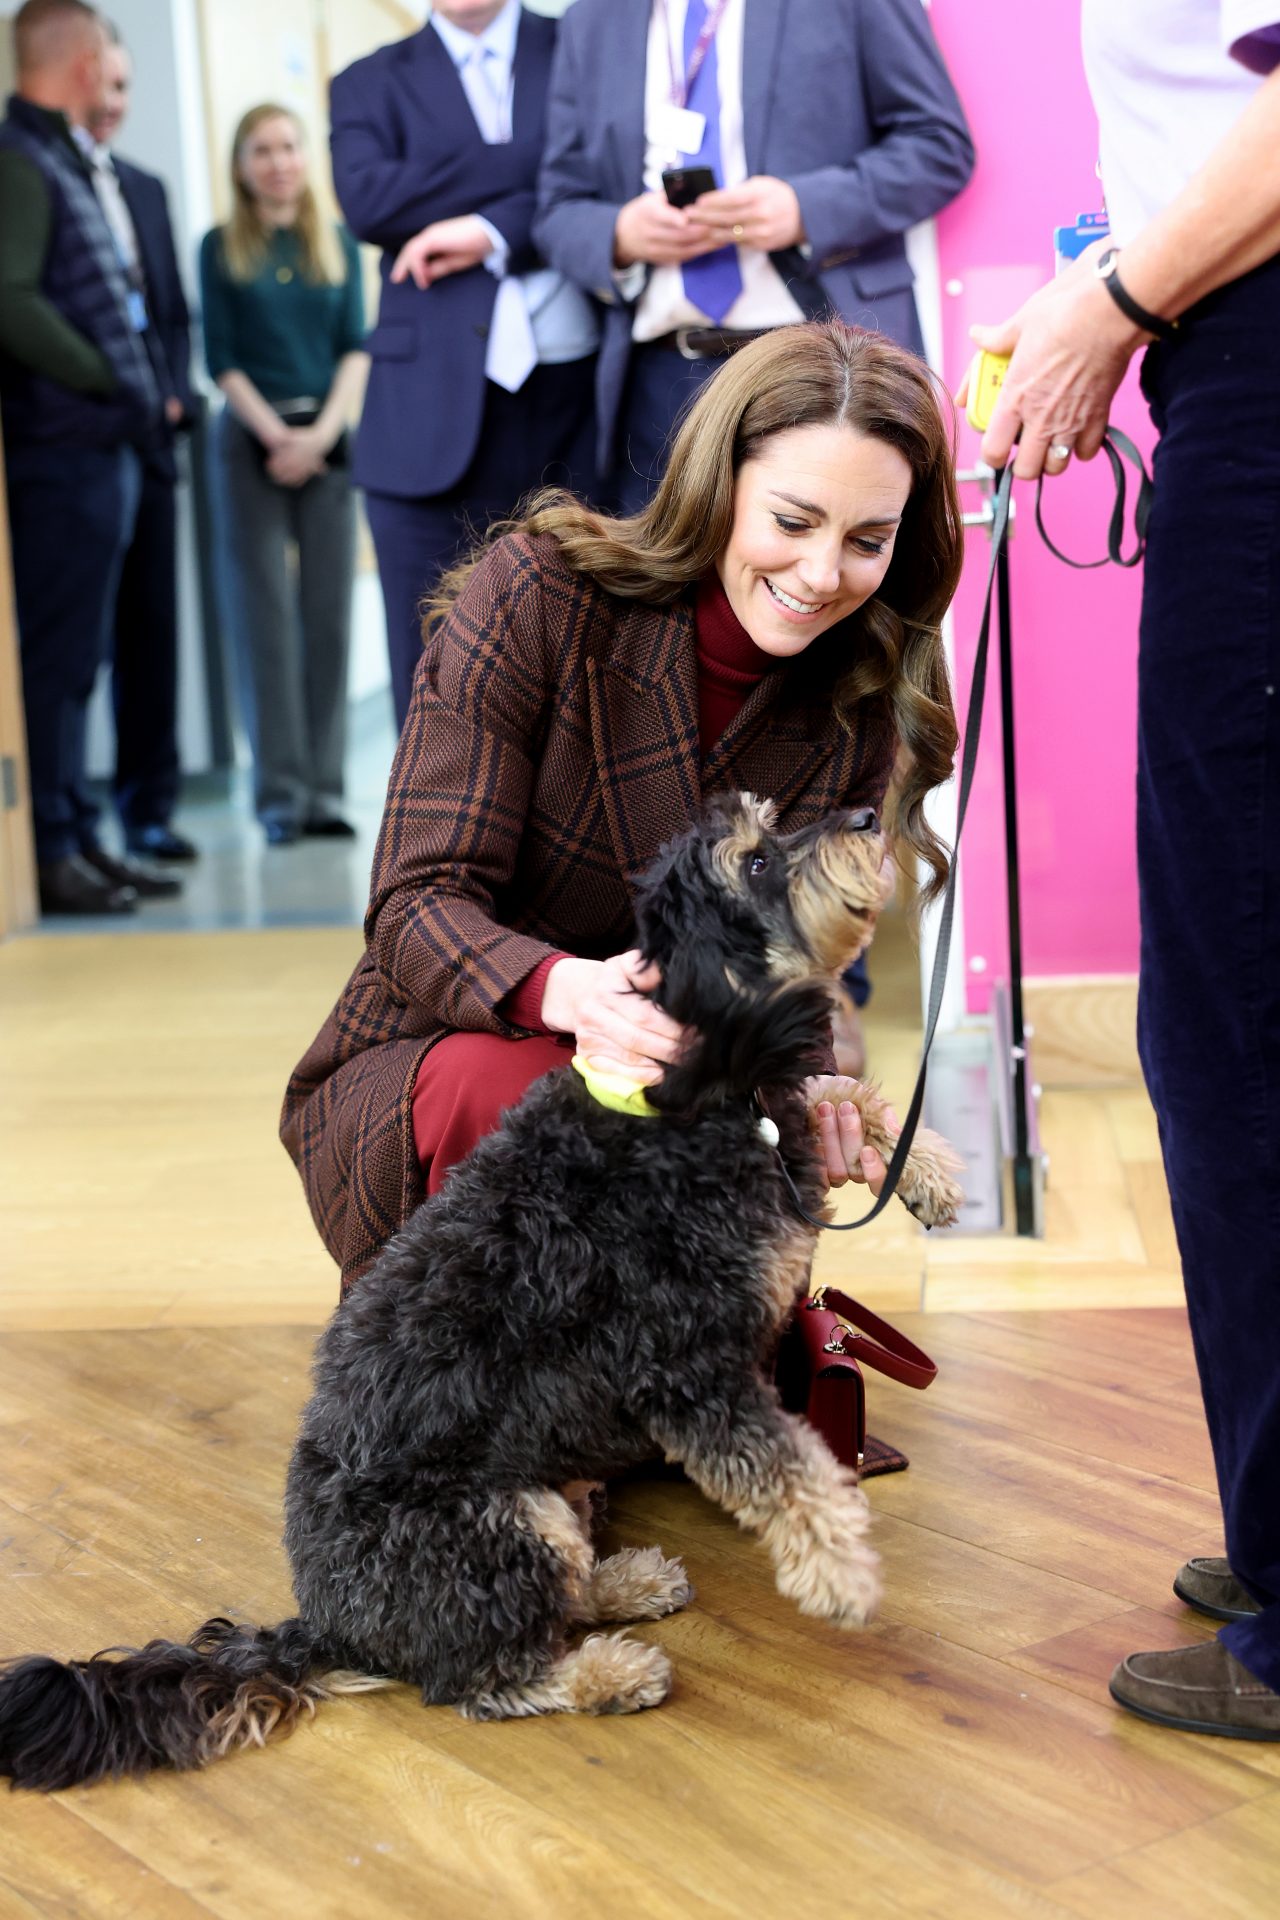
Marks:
<point>144,654</point>
<point>78,398</point>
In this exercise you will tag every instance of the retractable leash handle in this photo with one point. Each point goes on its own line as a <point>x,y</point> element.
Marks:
<point>947,913</point>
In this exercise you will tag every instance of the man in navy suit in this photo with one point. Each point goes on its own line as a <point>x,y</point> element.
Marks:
<point>480,386</point>
<point>831,126</point>
<point>144,659</point>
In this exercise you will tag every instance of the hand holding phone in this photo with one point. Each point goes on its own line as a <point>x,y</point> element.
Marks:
<point>682,185</point>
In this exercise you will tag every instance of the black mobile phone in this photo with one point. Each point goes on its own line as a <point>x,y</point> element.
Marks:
<point>682,185</point>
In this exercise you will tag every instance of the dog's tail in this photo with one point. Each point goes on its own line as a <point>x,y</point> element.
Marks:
<point>754,1040</point>
<point>130,1711</point>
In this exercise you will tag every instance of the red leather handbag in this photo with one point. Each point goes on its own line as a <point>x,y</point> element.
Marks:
<point>827,1342</point>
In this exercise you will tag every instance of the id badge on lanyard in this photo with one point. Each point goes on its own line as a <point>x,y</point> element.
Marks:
<point>676,124</point>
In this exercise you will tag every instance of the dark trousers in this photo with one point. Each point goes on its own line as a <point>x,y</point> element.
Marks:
<point>661,383</point>
<point>540,436</point>
<point>1209,874</point>
<point>71,516</point>
<point>144,661</point>
<point>290,569</point>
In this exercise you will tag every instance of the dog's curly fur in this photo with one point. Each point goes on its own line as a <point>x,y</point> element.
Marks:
<point>589,1289</point>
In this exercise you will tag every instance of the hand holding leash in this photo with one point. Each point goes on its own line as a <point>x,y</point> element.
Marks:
<point>1068,347</point>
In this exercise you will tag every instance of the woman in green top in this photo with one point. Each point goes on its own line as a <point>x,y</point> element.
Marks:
<point>283,327</point>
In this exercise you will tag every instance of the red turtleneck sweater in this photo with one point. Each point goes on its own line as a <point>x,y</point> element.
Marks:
<point>730,664</point>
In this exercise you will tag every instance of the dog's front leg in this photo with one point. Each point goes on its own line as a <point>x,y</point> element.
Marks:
<point>928,1187</point>
<point>779,1478</point>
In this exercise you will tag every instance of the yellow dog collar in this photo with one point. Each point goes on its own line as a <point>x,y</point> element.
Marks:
<point>614,1090</point>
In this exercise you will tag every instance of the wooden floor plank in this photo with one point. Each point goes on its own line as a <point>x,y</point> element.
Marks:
<point>1225,1866</point>
<point>143,1475</point>
<point>53,1862</point>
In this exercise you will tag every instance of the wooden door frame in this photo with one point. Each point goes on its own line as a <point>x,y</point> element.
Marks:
<point>18,901</point>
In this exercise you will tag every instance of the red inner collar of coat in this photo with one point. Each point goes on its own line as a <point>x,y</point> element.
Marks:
<point>726,650</point>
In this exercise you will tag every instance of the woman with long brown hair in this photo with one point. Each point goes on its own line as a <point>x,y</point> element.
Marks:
<point>283,327</point>
<point>770,622</point>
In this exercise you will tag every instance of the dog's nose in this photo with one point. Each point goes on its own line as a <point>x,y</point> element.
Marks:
<point>864,820</point>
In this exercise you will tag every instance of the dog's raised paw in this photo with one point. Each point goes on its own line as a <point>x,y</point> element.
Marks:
<point>822,1559</point>
<point>929,1188</point>
<point>843,1588</point>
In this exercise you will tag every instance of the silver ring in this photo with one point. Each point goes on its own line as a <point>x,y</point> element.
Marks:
<point>1060,450</point>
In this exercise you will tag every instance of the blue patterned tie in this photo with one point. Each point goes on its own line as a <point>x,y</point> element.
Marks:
<point>714,281</point>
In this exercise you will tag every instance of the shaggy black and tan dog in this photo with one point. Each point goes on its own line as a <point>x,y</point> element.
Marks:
<point>591,1288</point>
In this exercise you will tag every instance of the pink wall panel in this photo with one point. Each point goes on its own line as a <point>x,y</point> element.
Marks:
<point>1019,73</point>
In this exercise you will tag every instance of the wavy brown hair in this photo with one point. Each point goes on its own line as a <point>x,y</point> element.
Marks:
<point>822,373</point>
<point>246,235</point>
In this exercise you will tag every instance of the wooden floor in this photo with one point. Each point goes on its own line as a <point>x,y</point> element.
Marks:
<point>961,1758</point>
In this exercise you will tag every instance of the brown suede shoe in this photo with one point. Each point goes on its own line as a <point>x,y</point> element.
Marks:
<point>1210,1587</point>
<point>1200,1689</point>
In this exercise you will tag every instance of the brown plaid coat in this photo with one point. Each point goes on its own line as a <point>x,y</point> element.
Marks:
<point>550,748</point>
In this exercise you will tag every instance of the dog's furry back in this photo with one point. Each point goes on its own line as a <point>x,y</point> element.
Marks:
<point>511,1337</point>
<point>508,1338</point>
<point>588,1287</point>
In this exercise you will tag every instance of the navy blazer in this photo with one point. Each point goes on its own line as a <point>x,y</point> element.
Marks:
<point>848,100</point>
<point>407,151</point>
<point>170,345</point>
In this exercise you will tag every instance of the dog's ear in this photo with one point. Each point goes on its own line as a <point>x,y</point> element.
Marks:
<point>679,920</point>
<point>686,915</point>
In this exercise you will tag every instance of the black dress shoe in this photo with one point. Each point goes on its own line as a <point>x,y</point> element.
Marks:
<point>158,842</point>
<point>73,886</point>
<point>328,826</point>
<point>281,833</point>
<point>147,882</point>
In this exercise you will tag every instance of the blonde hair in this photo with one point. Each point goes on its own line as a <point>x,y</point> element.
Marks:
<point>246,235</point>
<point>822,373</point>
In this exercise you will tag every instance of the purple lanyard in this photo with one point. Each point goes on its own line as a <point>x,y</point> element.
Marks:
<point>681,89</point>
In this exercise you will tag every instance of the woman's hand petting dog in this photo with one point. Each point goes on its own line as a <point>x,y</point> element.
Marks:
<point>843,1152</point>
<point>601,1003</point>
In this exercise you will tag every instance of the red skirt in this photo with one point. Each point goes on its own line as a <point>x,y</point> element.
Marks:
<point>465,1085</point>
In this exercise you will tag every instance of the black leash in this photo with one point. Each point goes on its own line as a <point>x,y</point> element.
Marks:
<point>946,917</point>
<point>1118,448</point>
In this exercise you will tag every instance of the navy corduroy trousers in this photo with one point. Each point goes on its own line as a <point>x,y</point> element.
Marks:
<point>1209,876</point>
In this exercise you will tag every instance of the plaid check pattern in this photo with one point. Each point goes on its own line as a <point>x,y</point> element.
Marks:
<point>550,749</point>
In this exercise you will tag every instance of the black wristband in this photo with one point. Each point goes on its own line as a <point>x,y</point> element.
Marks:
<point>1107,269</point>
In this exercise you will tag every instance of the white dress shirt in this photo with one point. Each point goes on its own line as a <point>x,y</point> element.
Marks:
<point>1168,84</point>
<point>664,304</point>
<point>106,185</point>
<point>538,317</point>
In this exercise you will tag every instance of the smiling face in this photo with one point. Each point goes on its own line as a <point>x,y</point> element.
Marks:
<point>815,515</point>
